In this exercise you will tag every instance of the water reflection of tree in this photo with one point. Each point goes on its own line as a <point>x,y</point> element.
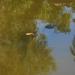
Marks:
<point>21,54</point>
<point>30,58</point>
<point>54,14</point>
<point>64,23</point>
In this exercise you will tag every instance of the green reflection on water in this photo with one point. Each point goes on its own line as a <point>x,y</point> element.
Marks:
<point>21,54</point>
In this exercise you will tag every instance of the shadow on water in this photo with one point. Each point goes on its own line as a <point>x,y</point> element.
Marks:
<point>72,48</point>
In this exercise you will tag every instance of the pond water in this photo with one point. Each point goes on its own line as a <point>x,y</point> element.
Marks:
<point>23,52</point>
<point>60,44</point>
